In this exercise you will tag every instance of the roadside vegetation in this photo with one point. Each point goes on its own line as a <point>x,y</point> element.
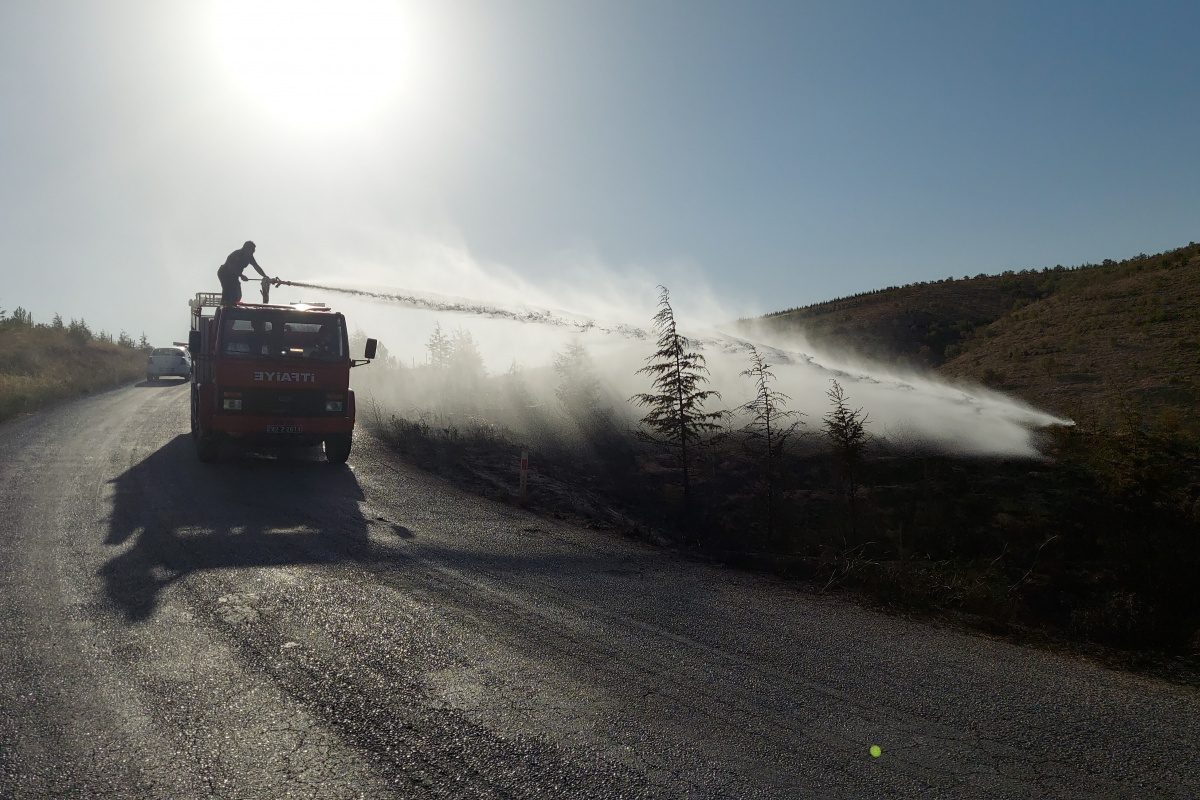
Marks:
<point>41,363</point>
<point>1098,542</point>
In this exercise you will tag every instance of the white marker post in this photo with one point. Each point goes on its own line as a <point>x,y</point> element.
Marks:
<point>523,491</point>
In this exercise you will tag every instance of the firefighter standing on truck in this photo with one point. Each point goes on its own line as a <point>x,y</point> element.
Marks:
<point>230,273</point>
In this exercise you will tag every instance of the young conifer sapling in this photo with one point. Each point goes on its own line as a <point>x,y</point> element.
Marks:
<point>676,418</point>
<point>771,425</point>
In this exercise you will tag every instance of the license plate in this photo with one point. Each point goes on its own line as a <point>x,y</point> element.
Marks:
<point>285,429</point>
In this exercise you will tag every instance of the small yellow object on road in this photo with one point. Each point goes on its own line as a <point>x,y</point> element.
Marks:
<point>876,752</point>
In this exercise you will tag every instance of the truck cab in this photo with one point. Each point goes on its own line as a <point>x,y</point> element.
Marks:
<point>271,376</point>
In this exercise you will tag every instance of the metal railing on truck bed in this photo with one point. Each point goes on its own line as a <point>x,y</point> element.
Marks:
<point>201,301</point>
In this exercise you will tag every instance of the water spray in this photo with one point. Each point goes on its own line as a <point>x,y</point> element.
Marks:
<point>560,319</point>
<point>433,302</point>
<point>718,341</point>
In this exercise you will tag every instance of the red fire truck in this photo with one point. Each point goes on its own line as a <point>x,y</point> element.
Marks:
<point>268,375</point>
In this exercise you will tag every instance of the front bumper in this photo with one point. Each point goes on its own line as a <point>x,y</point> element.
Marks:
<point>271,430</point>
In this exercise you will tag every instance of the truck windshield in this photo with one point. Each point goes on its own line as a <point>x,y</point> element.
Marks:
<point>283,334</point>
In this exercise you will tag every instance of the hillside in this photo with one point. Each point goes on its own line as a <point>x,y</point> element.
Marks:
<point>1083,342</point>
<point>40,364</point>
<point>914,324</point>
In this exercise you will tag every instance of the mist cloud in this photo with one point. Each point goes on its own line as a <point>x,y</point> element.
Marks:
<point>517,321</point>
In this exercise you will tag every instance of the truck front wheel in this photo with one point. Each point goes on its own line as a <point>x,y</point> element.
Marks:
<point>337,448</point>
<point>195,414</point>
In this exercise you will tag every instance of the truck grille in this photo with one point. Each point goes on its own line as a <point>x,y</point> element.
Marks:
<point>283,402</point>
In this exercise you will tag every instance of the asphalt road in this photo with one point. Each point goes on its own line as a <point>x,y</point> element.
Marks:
<point>278,627</point>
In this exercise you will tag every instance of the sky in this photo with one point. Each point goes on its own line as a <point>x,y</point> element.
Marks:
<point>752,156</point>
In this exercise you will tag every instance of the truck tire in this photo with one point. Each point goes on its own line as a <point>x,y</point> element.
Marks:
<point>195,414</point>
<point>208,443</point>
<point>337,448</point>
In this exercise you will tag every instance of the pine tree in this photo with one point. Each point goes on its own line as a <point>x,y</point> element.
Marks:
<point>440,348</point>
<point>465,375</point>
<point>770,426</point>
<point>513,389</point>
<point>847,434</point>
<point>79,332</point>
<point>465,358</point>
<point>578,387</point>
<point>676,418</point>
<point>520,406</point>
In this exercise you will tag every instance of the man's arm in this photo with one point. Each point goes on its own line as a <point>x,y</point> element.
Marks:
<point>254,264</point>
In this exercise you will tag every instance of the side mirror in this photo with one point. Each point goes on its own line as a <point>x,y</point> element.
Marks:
<point>194,342</point>
<point>372,345</point>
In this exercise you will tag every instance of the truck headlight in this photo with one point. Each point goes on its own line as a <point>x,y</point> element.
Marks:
<point>232,404</point>
<point>333,405</point>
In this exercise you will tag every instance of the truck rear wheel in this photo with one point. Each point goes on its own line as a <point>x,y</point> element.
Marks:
<point>337,448</point>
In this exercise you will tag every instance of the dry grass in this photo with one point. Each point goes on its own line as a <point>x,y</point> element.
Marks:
<point>40,365</point>
<point>1131,336</point>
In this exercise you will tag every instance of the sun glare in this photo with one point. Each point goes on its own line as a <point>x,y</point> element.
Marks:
<point>321,64</point>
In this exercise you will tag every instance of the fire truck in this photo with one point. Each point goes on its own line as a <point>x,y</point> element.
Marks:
<point>271,376</point>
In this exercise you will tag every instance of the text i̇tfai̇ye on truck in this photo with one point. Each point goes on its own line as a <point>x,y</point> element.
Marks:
<point>271,376</point>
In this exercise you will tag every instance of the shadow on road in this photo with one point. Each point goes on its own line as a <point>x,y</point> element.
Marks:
<point>290,509</point>
<point>160,383</point>
<point>185,516</point>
